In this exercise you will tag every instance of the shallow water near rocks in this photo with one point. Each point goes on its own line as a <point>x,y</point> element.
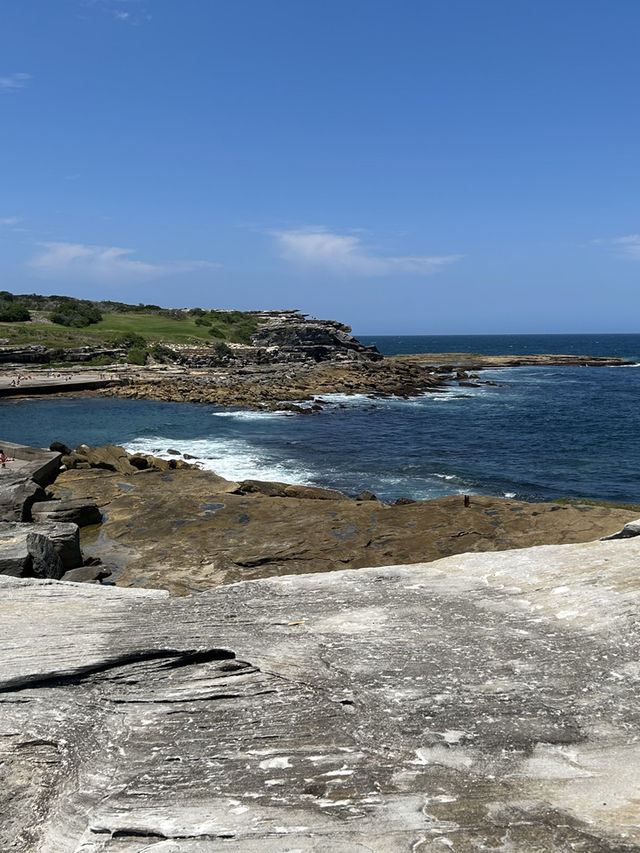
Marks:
<point>539,434</point>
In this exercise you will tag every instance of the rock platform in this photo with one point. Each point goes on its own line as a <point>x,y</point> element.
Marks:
<point>186,530</point>
<point>482,702</point>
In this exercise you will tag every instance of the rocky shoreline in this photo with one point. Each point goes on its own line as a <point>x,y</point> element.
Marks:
<point>291,359</point>
<point>328,673</point>
<point>479,702</point>
<point>269,386</point>
<point>149,522</point>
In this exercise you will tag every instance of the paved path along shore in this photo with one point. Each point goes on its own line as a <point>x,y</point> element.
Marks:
<point>41,382</point>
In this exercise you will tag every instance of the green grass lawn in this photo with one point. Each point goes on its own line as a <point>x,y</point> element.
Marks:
<point>233,327</point>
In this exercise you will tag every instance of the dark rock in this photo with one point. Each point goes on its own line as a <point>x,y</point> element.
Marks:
<point>15,545</point>
<point>315,493</point>
<point>18,493</point>
<point>294,337</point>
<point>65,538</point>
<point>28,550</point>
<point>35,354</point>
<point>366,496</point>
<point>45,560</point>
<point>87,574</point>
<point>173,452</point>
<point>139,461</point>
<point>283,490</point>
<point>15,558</point>
<point>58,447</point>
<point>78,512</point>
<point>404,501</point>
<point>631,529</point>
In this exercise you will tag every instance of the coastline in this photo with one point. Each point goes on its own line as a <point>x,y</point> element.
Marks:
<point>273,386</point>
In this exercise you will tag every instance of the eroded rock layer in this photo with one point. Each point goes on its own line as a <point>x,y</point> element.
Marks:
<point>484,702</point>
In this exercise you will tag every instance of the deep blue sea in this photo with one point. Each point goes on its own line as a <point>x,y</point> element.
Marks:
<point>540,433</point>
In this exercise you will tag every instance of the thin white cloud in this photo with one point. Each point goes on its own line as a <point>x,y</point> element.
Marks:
<point>8,221</point>
<point>629,246</point>
<point>139,13</point>
<point>104,263</point>
<point>346,254</point>
<point>13,82</point>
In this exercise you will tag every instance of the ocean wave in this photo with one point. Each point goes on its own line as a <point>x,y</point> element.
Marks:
<point>249,415</point>
<point>345,399</point>
<point>231,458</point>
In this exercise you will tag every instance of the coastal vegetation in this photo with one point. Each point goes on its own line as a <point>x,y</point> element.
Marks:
<point>63,321</point>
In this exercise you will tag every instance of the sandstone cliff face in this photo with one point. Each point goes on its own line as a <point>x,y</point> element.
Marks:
<point>294,337</point>
<point>35,354</point>
<point>484,702</point>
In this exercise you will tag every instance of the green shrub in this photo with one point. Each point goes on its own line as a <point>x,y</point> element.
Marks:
<point>222,352</point>
<point>13,312</point>
<point>163,354</point>
<point>203,321</point>
<point>75,313</point>
<point>100,360</point>
<point>230,316</point>
<point>137,355</point>
<point>217,332</point>
<point>127,340</point>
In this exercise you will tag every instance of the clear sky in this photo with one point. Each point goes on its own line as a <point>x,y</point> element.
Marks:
<point>406,166</point>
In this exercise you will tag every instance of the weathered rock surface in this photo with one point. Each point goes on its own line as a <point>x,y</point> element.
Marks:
<point>485,702</point>
<point>115,458</point>
<point>294,337</point>
<point>632,528</point>
<point>272,385</point>
<point>18,493</point>
<point>32,550</point>
<point>80,512</point>
<point>36,354</point>
<point>86,574</point>
<point>23,554</point>
<point>190,530</point>
<point>22,478</point>
<point>285,490</point>
<point>454,361</point>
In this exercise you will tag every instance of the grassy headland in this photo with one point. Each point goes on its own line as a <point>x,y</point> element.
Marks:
<point>60,321</point>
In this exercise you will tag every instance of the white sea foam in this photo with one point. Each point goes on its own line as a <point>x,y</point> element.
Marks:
<point>346,399</point>
<point>245,415</point>
<point>231,458</point>
<point>509,494</point>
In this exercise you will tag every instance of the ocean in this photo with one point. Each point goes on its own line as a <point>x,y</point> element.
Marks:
<point>541,433</point>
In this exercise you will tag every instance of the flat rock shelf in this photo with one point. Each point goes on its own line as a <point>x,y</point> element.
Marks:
<point>482,702</point>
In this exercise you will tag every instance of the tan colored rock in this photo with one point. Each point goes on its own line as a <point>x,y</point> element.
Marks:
<point>186,530</point>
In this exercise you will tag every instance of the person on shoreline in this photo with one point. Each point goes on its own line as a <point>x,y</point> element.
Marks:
<point>3,459</point>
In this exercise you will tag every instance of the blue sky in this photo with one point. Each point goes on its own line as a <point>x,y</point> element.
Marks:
<point>415,166</point>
